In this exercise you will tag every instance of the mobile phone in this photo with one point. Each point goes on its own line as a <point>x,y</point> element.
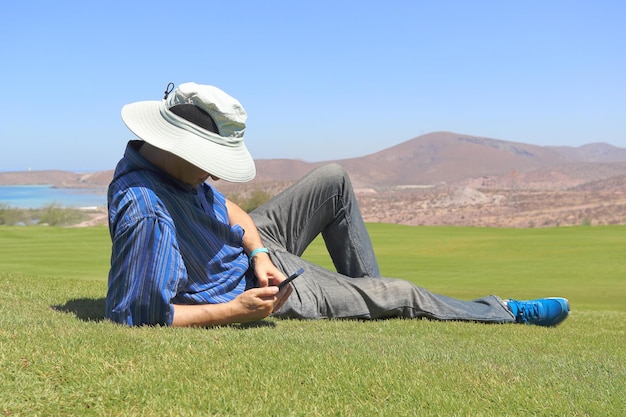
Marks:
<point>291,277</point>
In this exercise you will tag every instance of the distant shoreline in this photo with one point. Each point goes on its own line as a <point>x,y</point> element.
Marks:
<point>58,179</point>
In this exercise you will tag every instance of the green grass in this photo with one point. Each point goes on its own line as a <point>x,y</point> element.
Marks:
<point>60,357</point>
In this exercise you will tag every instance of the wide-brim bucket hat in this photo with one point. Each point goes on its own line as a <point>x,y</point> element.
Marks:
<point>199,123</point>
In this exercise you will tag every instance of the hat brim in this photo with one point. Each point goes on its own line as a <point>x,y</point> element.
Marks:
<point>230,163</point>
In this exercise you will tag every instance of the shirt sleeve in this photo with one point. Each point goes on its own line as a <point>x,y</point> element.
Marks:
<point>146,270</point>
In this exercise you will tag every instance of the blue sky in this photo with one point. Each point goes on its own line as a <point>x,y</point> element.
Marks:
<point>320,80</point>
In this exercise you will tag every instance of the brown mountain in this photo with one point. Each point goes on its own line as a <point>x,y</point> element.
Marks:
<point>451,179</point>
<point>450,158</point>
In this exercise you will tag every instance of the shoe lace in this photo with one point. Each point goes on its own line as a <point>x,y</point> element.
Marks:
<point>528,312</point>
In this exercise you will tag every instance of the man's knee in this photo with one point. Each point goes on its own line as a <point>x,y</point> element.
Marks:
<point>332,170</point>
<point>333,173</point>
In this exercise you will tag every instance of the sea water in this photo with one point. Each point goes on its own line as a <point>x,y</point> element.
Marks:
<point>37,196</point>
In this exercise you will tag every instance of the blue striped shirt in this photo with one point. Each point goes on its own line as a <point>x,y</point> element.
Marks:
<point>171,244</point>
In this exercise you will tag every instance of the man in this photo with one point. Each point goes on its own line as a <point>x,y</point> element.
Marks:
<point>184,255</point>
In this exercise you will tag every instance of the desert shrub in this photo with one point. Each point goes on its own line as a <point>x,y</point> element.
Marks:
<point>11,215</point>
<point>51,215</point>
<point>56,215</point>
<point>254,200</point>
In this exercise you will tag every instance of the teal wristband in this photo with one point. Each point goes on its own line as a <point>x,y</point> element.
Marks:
<point>256,252</point>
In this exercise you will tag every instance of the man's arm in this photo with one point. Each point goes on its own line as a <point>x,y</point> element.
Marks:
<point>264,269</point>
<point>252,305</point>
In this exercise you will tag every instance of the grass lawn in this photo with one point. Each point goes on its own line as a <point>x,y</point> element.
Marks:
<point>60,357</point>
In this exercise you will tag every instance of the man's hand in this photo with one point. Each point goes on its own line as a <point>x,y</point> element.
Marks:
<point>268,275</point>
<point>255,304</point>
<point>265,270</point>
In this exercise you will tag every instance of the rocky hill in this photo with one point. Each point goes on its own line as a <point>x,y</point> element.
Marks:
<point>446,178</point>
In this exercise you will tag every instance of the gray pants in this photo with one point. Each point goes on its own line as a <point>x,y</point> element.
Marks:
<point>324,202</point>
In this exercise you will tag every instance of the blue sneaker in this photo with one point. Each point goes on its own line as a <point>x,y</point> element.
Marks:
<point>541,312</point>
